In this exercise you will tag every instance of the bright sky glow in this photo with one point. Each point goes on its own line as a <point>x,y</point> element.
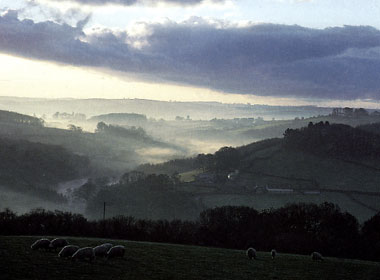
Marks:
<point>36,78</point>
<point>27,78</point>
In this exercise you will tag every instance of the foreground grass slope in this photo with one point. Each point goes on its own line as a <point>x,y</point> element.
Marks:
<point>164,261</point>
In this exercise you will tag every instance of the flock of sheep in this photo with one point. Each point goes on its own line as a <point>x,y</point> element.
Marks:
<point>106,250</point>
<point>251,254</point>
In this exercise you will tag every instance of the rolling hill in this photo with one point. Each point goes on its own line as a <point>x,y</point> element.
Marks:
<point>110,151</point>
<point>145,260</point>
<point>322,162</point>
<point>35,159</point>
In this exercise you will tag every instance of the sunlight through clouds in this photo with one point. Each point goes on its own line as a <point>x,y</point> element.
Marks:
<point>211,46</point>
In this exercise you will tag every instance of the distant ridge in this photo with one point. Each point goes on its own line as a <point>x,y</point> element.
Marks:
<point>157,109</point>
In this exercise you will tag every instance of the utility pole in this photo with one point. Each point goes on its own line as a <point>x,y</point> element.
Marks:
<point>104,211</point>
<point>104,219</point>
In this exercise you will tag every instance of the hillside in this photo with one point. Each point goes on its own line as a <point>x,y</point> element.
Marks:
<point>335,157</point>
<point>371,127</point>
<point>36,159</point>
<point>39,164</point>
<point>322,162</point>
<point>156,109</point>
<point>120,118</point>
<point>271,129</point>
<point>30,173</point>
<point>111,151</point>
<point>207,136</point>
<point>163,261</point>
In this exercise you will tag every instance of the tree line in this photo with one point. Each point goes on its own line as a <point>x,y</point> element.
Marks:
<point>337,140</point>
<point>121,131</point>
<point>294,228</point>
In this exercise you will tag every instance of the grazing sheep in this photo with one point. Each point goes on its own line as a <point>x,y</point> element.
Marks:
<point>251,253</point>
<point>41,244</point>
<point>116,251</point>
<point>84,253</point>
<point>58,243</point>
<point>68,251</point>
<point>273,253</point>
<point>101,250</point>
<point>315,256</point>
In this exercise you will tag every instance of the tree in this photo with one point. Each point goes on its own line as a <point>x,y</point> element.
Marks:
<point>303,227</point>
<point>348,112</point>
<point>101,127</point>
<point>360,113</point>
<point>226,158</point>
<point>75,128</point>
<point>159,182</point>
<point>176,178</point>
<point>371,238</point>
<point>86,191</point>
<point>205,162</point>
<point>229,226</point>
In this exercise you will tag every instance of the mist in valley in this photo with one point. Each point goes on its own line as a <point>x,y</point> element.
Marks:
<point>117,142</point>
<point>251,128</point>
<point>103,150</point>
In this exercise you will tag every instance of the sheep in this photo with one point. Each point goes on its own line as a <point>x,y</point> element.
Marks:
<point>315,256</point>
<point>58,243</point>
<point>42,243</point>
<point>273,253</point>
<point>116,251</point>
<point>84,253</point>
<point>101,250</point>
<point>251,253</point>
<point>68,251</point>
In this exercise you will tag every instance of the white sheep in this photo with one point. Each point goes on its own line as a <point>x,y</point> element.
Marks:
<point>58,243</point>
<point>251,253</point>
<point>315,256</point>
<point>273,253</point>
<point>42,243</point>
<point>101,250</point>
<point>116,251</point>
<point>68,251</point>
<point>84,253</point>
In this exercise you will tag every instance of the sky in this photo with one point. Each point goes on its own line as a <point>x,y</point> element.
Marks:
<point>277,52</point>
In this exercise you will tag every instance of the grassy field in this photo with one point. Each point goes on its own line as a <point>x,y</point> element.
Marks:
<point>163,261</point>
<point>190,175</point>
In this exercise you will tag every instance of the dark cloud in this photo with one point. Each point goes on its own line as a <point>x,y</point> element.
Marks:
<point>265,59</point>
<point>138,2</point>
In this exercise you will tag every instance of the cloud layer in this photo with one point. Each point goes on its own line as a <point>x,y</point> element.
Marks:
<point>265,59</point>
<point>138,2</point>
